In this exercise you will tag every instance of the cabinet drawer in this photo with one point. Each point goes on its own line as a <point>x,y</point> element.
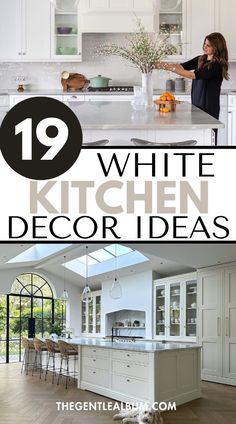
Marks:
<point>130,386</point>
<point>126,355</point>
<point>4,100</point>
<point>95,352</point>
<point>100,363</point>
<point>130,369</point>
<point>95,376</point>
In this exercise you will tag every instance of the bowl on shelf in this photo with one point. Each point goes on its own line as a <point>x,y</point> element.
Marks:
<point>66,50</point>
<point>64,30</point>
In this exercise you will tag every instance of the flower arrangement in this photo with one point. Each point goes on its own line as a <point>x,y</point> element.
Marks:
<point>143,49</point>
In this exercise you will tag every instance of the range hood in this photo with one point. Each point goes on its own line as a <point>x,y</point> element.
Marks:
<point>116,16</point>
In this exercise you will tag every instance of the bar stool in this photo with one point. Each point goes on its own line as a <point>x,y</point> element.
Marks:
<point>53,351</point>
<point>67,351</point>
<point>96,143</point>
<point>140,142</point>
<point>40,347</point>
<point>29,349</point>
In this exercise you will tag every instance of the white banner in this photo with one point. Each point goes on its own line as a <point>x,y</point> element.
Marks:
<point>125,194</point>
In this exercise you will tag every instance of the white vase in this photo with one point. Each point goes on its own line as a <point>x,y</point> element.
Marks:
<point>147,88</point>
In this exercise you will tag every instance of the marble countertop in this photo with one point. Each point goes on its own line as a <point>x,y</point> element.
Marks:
<point>121,116</point>
<point>138,346</point>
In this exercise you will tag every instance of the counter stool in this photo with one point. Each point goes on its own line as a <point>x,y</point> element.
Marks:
<point>53,351</point>
<point>40,347</point>
<point>29,349</point>
<point>67,351</point>
<point>96,143</point>
<point>140,142</point>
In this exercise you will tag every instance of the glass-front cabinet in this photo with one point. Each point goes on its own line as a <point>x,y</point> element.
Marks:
<point>91,315</point>
<point>175,308</point>
<point>172,21</point>
<point>66,34</point>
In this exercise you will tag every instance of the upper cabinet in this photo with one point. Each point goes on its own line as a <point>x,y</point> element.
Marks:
<point>25,30</point>
<point>172,21</point>
<point>225,23</point>
<point>119,16</point>
<point>175,308</point>
<point>66,33</point>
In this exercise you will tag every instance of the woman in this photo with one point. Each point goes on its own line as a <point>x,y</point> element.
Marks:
<point>207,72</point>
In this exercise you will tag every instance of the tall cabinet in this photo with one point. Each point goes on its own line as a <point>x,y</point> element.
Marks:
<point>175,308</point>
<point>91,315</point>
<point>217,323</point>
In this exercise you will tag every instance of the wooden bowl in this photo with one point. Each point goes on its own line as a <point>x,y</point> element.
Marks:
<point>166,104</point>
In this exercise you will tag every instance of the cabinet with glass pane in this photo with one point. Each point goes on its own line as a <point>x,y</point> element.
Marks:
<point>175,307</point>
<point>66,34</point>
<point>91,315</point>
<point>172,21</point>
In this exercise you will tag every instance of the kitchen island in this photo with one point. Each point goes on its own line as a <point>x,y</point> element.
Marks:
<point>141,371</point>
<point>119,122</point>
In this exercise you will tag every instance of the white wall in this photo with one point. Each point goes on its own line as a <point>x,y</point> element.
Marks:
<point>136,295</point>
<point>47,75</point>
<point>7,278</point>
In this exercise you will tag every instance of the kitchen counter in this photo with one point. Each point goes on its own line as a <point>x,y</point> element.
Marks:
<point>138,346</point>
<point>119,122</point>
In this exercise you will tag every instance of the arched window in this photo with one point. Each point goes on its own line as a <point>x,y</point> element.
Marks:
<point>31,285</point>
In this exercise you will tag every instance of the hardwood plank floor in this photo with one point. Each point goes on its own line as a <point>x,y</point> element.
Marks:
<point>27,400</point>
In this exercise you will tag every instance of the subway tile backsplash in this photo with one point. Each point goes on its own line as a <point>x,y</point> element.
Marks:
<point>42,75</point>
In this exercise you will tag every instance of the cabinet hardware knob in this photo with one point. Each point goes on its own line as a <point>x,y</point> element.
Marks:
<point>128,366</point>
<point>94,350</point>
<point>24,53</point>
<point>19,53</point>
<point>94,372</point>
<point>128,354</point>
<point>94,360</point>
<point>128,380</point>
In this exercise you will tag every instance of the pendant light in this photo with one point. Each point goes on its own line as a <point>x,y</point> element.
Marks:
<point>65,295</point>
<point>86,293</point>
<point>116,289</point>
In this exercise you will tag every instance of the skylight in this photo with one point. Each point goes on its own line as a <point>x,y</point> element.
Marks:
<point>105,260</point>
<point>38,252</point>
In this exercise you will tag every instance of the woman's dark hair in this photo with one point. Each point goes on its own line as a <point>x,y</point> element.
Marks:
<point>220,53</point>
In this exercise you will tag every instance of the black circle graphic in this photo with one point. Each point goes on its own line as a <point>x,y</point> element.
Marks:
<point>36,111</point>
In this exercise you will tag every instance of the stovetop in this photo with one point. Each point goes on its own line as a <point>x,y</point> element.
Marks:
<point>113,88</point>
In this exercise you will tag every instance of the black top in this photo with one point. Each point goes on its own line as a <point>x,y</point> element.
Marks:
<point>206,87</point>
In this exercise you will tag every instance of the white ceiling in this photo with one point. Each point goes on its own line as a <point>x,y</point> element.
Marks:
<point>165,259</point>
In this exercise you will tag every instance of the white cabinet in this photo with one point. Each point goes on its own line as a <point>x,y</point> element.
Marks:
<point>173,21</point>
<point>95,366</point>
<point>175,308</point>
<point>200,22</point>
<point>225,23</point>
<point>232,120</point>
<point>66,41</point>
<point>91,315</point>
<point>108,98</point>
<point>217,323</point>
<point>17,98</point>
<point>109,16</point>
<point>25,30</point>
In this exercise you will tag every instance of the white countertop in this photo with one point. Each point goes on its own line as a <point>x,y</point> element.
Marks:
<point>58,91</point>
<point>121,116</point>
<point>139,346</point>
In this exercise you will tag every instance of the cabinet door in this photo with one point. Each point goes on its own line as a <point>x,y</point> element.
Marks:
<point>225,23</point>
<point>231,120</point>
<point>210,322</point>
<point>160,320</point>
<point>36,29</point>
<point>200,21</point>
<point>229,325</point>
<point>190,311</point>
<point>174,325</point>
<point>172,21</point>
<point>10,30</point>
<point>65,32</point>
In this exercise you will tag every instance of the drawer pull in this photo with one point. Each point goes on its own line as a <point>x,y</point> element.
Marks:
<point>94,372</point>
<point>127,354</point>
<point>94,360</point>
<point>128,366</point>
<point>94,350</point>
<point>128,381</point>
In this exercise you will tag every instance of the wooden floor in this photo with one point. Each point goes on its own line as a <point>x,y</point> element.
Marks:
<point>27,400</point>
